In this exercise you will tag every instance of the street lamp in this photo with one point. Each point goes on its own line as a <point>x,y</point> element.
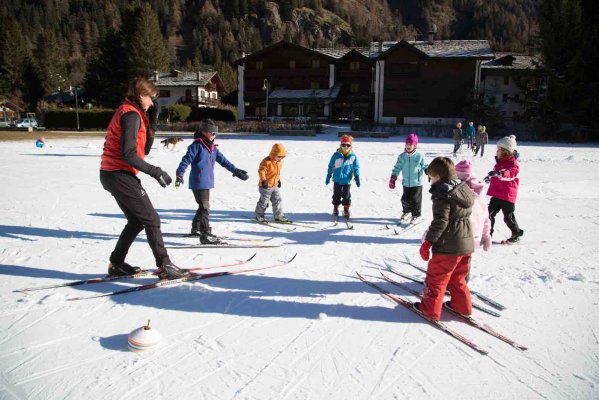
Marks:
<point>265,88</point>
<point>76,105</point>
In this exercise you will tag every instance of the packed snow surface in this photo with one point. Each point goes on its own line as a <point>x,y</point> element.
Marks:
<point>307,330</point>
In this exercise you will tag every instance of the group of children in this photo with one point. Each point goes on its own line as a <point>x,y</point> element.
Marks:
<point>477,138</point>
<point>461,220</point>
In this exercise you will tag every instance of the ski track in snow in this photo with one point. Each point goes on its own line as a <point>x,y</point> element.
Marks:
<point>233,338</point>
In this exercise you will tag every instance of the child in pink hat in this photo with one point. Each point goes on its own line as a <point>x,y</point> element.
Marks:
<point>479,219</point>
<point>411,165</point>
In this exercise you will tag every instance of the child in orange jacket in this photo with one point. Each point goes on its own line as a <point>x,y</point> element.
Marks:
<point>270,183</point>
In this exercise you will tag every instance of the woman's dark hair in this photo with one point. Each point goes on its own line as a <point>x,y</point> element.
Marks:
<point>442,167</point>
<point>141,87</point>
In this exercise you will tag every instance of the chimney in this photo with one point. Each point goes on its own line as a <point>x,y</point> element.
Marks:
<point>431,37</point>
<point>431,34</point>
<point>199,75</point>
<point>380,46</point>
<point>156,77</point>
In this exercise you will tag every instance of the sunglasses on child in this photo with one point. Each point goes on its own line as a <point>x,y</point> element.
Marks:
<point>346,145</point>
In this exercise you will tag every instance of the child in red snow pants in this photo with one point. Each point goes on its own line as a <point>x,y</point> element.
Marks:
<point>444,269</point>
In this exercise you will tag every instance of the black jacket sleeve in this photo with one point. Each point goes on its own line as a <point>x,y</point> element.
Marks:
<point>130,123</point>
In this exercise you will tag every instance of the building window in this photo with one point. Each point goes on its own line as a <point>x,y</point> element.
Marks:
<point>504,98</point>
<point>506,80</point>
<point>259,64</point>
<point>291,64</point>
<point>354,88</point>
<point>315,63</point>
<point>314,85</point>
<point>354,66</point>
<point>164,93</point>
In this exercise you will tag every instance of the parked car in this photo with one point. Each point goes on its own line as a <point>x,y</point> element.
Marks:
<point>26,123</point>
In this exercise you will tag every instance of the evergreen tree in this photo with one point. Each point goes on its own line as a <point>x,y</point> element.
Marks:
<point>14,59</point>
<point>147,49</point>
<point>50,65</point>
<point>569,43</point>
<point>109,73</point>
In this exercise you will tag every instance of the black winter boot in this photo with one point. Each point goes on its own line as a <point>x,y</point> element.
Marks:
<point>171,271</point>
<point>336,210</point>
<point>208,238</point>
<point>123,269</point>
<point>516,236</point>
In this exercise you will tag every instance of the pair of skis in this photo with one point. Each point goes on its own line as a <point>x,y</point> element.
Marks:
<point>346,220</point>
<point>439,324</point>
<point>402,227</point>
<point>476,293</point>
<point>159,283</point>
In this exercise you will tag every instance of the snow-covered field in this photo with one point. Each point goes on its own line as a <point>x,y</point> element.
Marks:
<point>308,330</point>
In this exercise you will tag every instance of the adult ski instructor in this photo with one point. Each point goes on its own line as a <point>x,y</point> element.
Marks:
<point>129,138</point>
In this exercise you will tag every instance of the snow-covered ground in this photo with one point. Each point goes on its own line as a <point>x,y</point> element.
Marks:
<point>308,330</point>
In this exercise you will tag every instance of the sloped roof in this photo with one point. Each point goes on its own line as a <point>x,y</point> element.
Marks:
<point>174,78</point>
<point>512,61</point>
<point>305,94</point>
<point>479,49</point>
<point>442,48</point>
<point>342,52</point>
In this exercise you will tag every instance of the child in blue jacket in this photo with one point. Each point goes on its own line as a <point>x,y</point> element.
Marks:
<point>342,168</point>
<point>202,154</point>
<point>411,165</point>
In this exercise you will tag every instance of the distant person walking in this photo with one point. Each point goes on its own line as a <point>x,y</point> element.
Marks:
<point>470,134</point>
<point>482,138</point>
<point>458,138</point>
<point>129,139</point>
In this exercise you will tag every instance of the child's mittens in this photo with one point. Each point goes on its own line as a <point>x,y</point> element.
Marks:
<point>425,250</point>
<point>327,180</point>
<point>178,181</point>
<point>264,184</point>
<point>241,174</point>
<point>392,182</point>
<point>490,175</point>
<point>357,181</point>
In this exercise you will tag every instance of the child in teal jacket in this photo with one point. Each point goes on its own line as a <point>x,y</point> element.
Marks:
<point>411,165</point>
<point>342,168</point>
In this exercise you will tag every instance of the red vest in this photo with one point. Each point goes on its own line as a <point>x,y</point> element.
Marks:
<point>112,158</point>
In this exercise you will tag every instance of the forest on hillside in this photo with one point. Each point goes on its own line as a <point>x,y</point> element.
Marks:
<point>47,45</point>
<point>56,43</point>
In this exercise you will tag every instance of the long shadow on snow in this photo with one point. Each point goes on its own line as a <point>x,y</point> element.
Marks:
<point>300,235</point>
<point>243,295</point>
<point>16,231</point>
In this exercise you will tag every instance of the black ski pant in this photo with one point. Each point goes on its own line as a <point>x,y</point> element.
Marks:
<point>136,205</point>
<point>200,220</point>
<point>411,200</point>
<point>341,194</point>
<point>481,148</point>
<point>496,205</point>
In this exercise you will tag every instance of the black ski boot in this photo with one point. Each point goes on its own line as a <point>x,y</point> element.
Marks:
<point>335,211</point>
<point>171,271</point>
<point>516,236</point>
<point>122,269</point>
<point>209,238</point>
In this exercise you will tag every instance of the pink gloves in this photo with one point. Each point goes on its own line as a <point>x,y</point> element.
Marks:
<point>392,182</point>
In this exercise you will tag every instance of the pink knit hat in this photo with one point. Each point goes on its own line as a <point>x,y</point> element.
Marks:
<point>464,169</point>
<point>412,139</point>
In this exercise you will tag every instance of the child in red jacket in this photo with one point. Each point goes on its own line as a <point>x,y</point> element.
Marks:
<point>503,186</point>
